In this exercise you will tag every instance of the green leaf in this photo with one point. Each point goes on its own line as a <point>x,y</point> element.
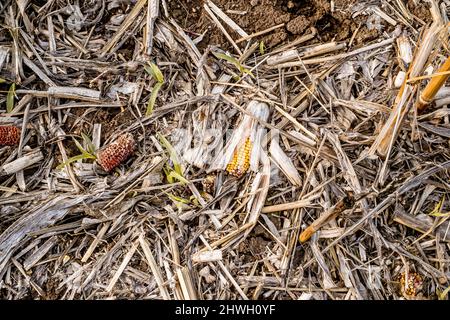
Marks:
<point>172,154</point>
<point>178,199</point>
<point>443,294</point>
<point>79,146</point>
<point>167,173</point>
<point>228,58</point>
<point>179,202</point>
<point>75,158</point>
<point>153,70</point>
<point>84,154</point>
<point>437,209</point>
<point>234,61</point>
<point>175,175</point>
<point>262,47</point>
<point>152,100</point>
<point>10,98</point>
<point>439,214</point>
<point>88,142</point>
<point>245,70</point>
<point>2,80</point>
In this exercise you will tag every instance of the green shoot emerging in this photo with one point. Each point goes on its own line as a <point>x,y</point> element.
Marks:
<point>10,98</point>
<point>262,48</point>
<point>235,62</point>
<point>85,154</point>
<point>154,71</point>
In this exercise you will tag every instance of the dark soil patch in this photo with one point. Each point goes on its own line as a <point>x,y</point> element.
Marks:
<point>258,15</point>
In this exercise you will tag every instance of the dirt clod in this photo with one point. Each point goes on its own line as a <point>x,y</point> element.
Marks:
<point>298,25</point>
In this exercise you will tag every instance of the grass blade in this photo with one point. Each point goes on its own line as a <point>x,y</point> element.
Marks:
<point>154,71</point>
<point>75,158</point>
<point>152,100</point>
<point>10,98</point>
<point>172,154</point>
<point>262,48</point>
<point>88,142</point>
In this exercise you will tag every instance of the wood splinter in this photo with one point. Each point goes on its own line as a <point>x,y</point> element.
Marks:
<point>343,204</point>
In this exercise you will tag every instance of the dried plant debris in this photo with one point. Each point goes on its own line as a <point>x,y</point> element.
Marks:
<point>224,149</point>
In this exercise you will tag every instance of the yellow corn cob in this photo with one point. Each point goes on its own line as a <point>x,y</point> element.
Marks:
<point>240,162</point>
<point>412,285</point>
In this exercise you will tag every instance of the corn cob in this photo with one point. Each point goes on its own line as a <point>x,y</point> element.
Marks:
<point>411,286</point>
<point>240,162</point>
<point>242,151</point>
<point>116,152</point>
<point>9,135</point>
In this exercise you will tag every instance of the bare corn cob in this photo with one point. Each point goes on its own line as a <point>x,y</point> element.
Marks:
<point>116,152</point>
<point>240,162</point>
<point>9,135</point>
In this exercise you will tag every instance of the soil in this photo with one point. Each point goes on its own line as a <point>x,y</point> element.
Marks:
<point>257,15</point>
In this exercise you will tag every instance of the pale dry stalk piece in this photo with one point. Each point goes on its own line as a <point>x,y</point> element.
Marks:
<point>129,20</point>
<point>222,28</point>
<point>335,57</point>
<point>295,54</point>
<point>23,162</point>
<point>259,191</point>
<point>233,25</point>
<point>259,33</point>
<point>154,267</point>
<point>284,163</point>
<point>116,152</point>
<point>152,15</point>
<point>186,284</point>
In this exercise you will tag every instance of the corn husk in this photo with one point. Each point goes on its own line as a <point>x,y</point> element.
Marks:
<point>249,128</point>
<point>284,163</point>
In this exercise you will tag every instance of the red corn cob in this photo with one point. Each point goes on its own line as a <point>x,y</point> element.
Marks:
<point>116,152</point>
<point>9,135</point>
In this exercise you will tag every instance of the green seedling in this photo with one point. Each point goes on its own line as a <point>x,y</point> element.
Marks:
<point>85,154</point>
<point>10,98</point>
<point>235,62</point>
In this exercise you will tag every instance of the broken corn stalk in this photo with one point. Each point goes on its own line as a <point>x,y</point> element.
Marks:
<point>333,212</point>
<point>116,152</point>
<point>242,152</point>
<point>389,132</point>
<point>9,135</point>
<point>433,86</point>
